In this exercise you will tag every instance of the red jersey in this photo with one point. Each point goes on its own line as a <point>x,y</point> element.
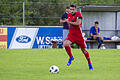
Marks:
<point>75,30</point>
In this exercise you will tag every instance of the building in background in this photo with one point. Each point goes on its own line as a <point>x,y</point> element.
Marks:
<point>108,17</point>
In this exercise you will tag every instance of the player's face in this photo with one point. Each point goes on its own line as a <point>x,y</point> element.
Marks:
<point>96,25</point>
<point>72,10</point>
<point>68,10</point>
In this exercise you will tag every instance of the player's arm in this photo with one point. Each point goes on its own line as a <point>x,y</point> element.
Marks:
<point>62,21</point>
<point>91,34</point>
<point>97,31</point>
<point>78,21</point>
<point>91,31</point>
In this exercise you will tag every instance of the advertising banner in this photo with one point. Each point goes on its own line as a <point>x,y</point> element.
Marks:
<point>3,38</point>
<point>22,38</point>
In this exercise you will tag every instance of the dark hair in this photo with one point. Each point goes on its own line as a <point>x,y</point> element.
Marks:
<point>73,5</point>
<point>96,22</point>
<point>67,7</point>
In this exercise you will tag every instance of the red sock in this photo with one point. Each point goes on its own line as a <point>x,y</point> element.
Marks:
<point>87,57</point>
<point>68,50</point>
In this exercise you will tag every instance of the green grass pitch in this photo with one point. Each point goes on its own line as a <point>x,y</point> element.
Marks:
<point>34,64</point>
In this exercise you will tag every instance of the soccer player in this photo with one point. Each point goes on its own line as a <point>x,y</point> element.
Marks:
<point>65,24</point>
<point>75,35</point>
<point>94,34</point>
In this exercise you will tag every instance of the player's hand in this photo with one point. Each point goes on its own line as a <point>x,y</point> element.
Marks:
<point>66,20</point>
<point>96,28</point>
<point>95,36</point>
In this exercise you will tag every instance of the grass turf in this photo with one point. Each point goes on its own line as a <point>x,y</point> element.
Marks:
<point>34,64</point>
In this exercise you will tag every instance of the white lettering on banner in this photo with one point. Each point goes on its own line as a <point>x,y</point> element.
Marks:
<point>47,40</point>
<point>45,46</point>
<point>40,40</point>
<point>23,39</point>
<point>60,40</point>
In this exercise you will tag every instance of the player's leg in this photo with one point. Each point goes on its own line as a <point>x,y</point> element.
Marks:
<point>67,44</point>
<point>65,33</point>
<point>100,41</point>
<point>82,45</point>
<point>85,52</point>
<point>101,38</point>
<point>102,44</point>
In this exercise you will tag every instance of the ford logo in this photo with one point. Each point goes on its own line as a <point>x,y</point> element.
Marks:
<point>23,39</point>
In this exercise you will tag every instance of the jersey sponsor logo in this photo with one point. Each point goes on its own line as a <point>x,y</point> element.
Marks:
<point>23,39</point>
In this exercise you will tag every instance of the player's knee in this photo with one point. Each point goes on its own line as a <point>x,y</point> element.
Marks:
<point>66,43</point>
<point>101,38</point>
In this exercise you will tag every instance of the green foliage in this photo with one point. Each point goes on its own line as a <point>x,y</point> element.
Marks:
<point>42,12</point>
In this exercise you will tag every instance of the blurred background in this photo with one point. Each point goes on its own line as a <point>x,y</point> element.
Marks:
<point>42,12</point>
<point>46,14</point>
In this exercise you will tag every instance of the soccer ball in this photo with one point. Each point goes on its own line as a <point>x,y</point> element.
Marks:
<point>54,69</point>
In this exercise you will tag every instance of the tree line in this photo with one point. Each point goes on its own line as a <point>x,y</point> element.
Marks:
<point>42,12</point>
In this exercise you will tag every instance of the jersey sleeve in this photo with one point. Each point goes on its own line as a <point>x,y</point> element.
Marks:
<point>63,17</point>
<point>91,30</point>
<point>98,30</point>
<point>79,16</point>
